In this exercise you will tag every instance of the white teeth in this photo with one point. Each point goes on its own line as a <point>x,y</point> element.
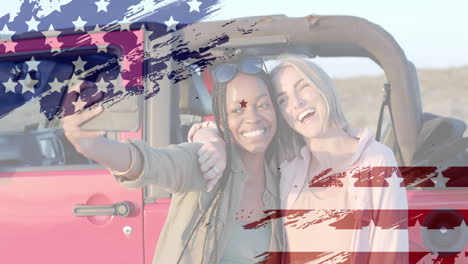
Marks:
<point>254,133</point>
<point>301,116</point>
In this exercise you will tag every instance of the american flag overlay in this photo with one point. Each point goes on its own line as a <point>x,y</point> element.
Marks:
<point>60,56</point>
<point>75,41</point>
<point>435,234</point>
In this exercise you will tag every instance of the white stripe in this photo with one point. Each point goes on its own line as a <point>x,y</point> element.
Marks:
<point>326,239</point>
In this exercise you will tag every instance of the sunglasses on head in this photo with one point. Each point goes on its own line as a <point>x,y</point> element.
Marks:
<point>226,72</point>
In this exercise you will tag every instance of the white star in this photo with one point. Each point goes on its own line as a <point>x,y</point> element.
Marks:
<point>440,181</point>
<point>54,44</point>
<point>462,226</point>
<point>56,86</point>
<point>101,48</point>
<point>79,64</point>
<point>125,24</point>
<point>79,24</point>
<point>117,83</point>
<point>98,38</point>
<point>10,86</point>
<point>96,28</point>
<point>28,84</point>
<point>171,24</point>
<point>73,86</point>
<point>394,181</point>
<point>175,65</point>
<point>102,5</point>
<point>52,32</point>
<point>32,24</point>
<point>139,40</point>
<point>7,33</point>
<point>371,227</point>
<point>417,228</point>
<point>194,5</point>
<point>79,104</point>
<point>102,86</point>
<point>417,224</point>
<point>32,64</point>
<point>9,46</point>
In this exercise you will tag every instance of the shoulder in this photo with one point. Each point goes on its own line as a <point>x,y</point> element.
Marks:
<point>377,153</point>
<point>288,167</point>
<point>371,152</point>
<point>297,160</point>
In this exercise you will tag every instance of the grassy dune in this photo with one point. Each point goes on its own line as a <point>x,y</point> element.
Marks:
<point>444,92</point>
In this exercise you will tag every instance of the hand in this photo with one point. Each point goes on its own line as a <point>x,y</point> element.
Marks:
<point>82,140</point>
<point>203,132</point>
<point>212,160</point>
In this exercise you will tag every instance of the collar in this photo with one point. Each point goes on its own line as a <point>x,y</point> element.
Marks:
<point>295,172</point>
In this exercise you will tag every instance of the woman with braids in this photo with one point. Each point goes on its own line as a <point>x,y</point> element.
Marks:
<point>338,185</point>
<point>202,226</point>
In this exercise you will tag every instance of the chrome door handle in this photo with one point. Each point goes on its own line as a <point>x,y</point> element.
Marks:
<point>122,209</point>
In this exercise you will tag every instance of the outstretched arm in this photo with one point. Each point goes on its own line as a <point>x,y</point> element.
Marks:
<point>135,163</point>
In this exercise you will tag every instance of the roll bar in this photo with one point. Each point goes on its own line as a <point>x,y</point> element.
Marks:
<point>323,36</point>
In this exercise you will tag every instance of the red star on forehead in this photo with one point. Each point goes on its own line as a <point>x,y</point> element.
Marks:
<point>243,103</point>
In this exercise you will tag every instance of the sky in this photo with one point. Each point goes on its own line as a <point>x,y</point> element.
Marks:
<point>433,34</point>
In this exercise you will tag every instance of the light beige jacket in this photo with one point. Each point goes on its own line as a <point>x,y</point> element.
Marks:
<point>175,168</point>
<point>297,195</point>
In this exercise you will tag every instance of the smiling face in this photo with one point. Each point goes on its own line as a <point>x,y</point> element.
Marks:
<point>301,103</point>
<point>251,116</point>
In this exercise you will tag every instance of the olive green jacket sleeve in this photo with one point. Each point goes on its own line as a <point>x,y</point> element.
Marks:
<point>174,168</point>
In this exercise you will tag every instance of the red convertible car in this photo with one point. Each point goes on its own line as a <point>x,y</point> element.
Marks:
<point>60,207</point>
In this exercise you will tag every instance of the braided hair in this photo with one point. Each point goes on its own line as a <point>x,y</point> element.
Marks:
<point>222,123</point>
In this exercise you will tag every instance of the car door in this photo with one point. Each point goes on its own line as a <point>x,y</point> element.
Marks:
<point>56,205</point>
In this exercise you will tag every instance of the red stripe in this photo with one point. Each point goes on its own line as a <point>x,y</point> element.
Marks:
<point>418,176</point>
<point>327,179</point>
<point>357,219</point>
<point>361,257</point>
<point>375,177</point>
<point>458,176</point>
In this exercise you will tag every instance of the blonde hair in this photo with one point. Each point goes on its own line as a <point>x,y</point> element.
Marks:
<point>290,141</point>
